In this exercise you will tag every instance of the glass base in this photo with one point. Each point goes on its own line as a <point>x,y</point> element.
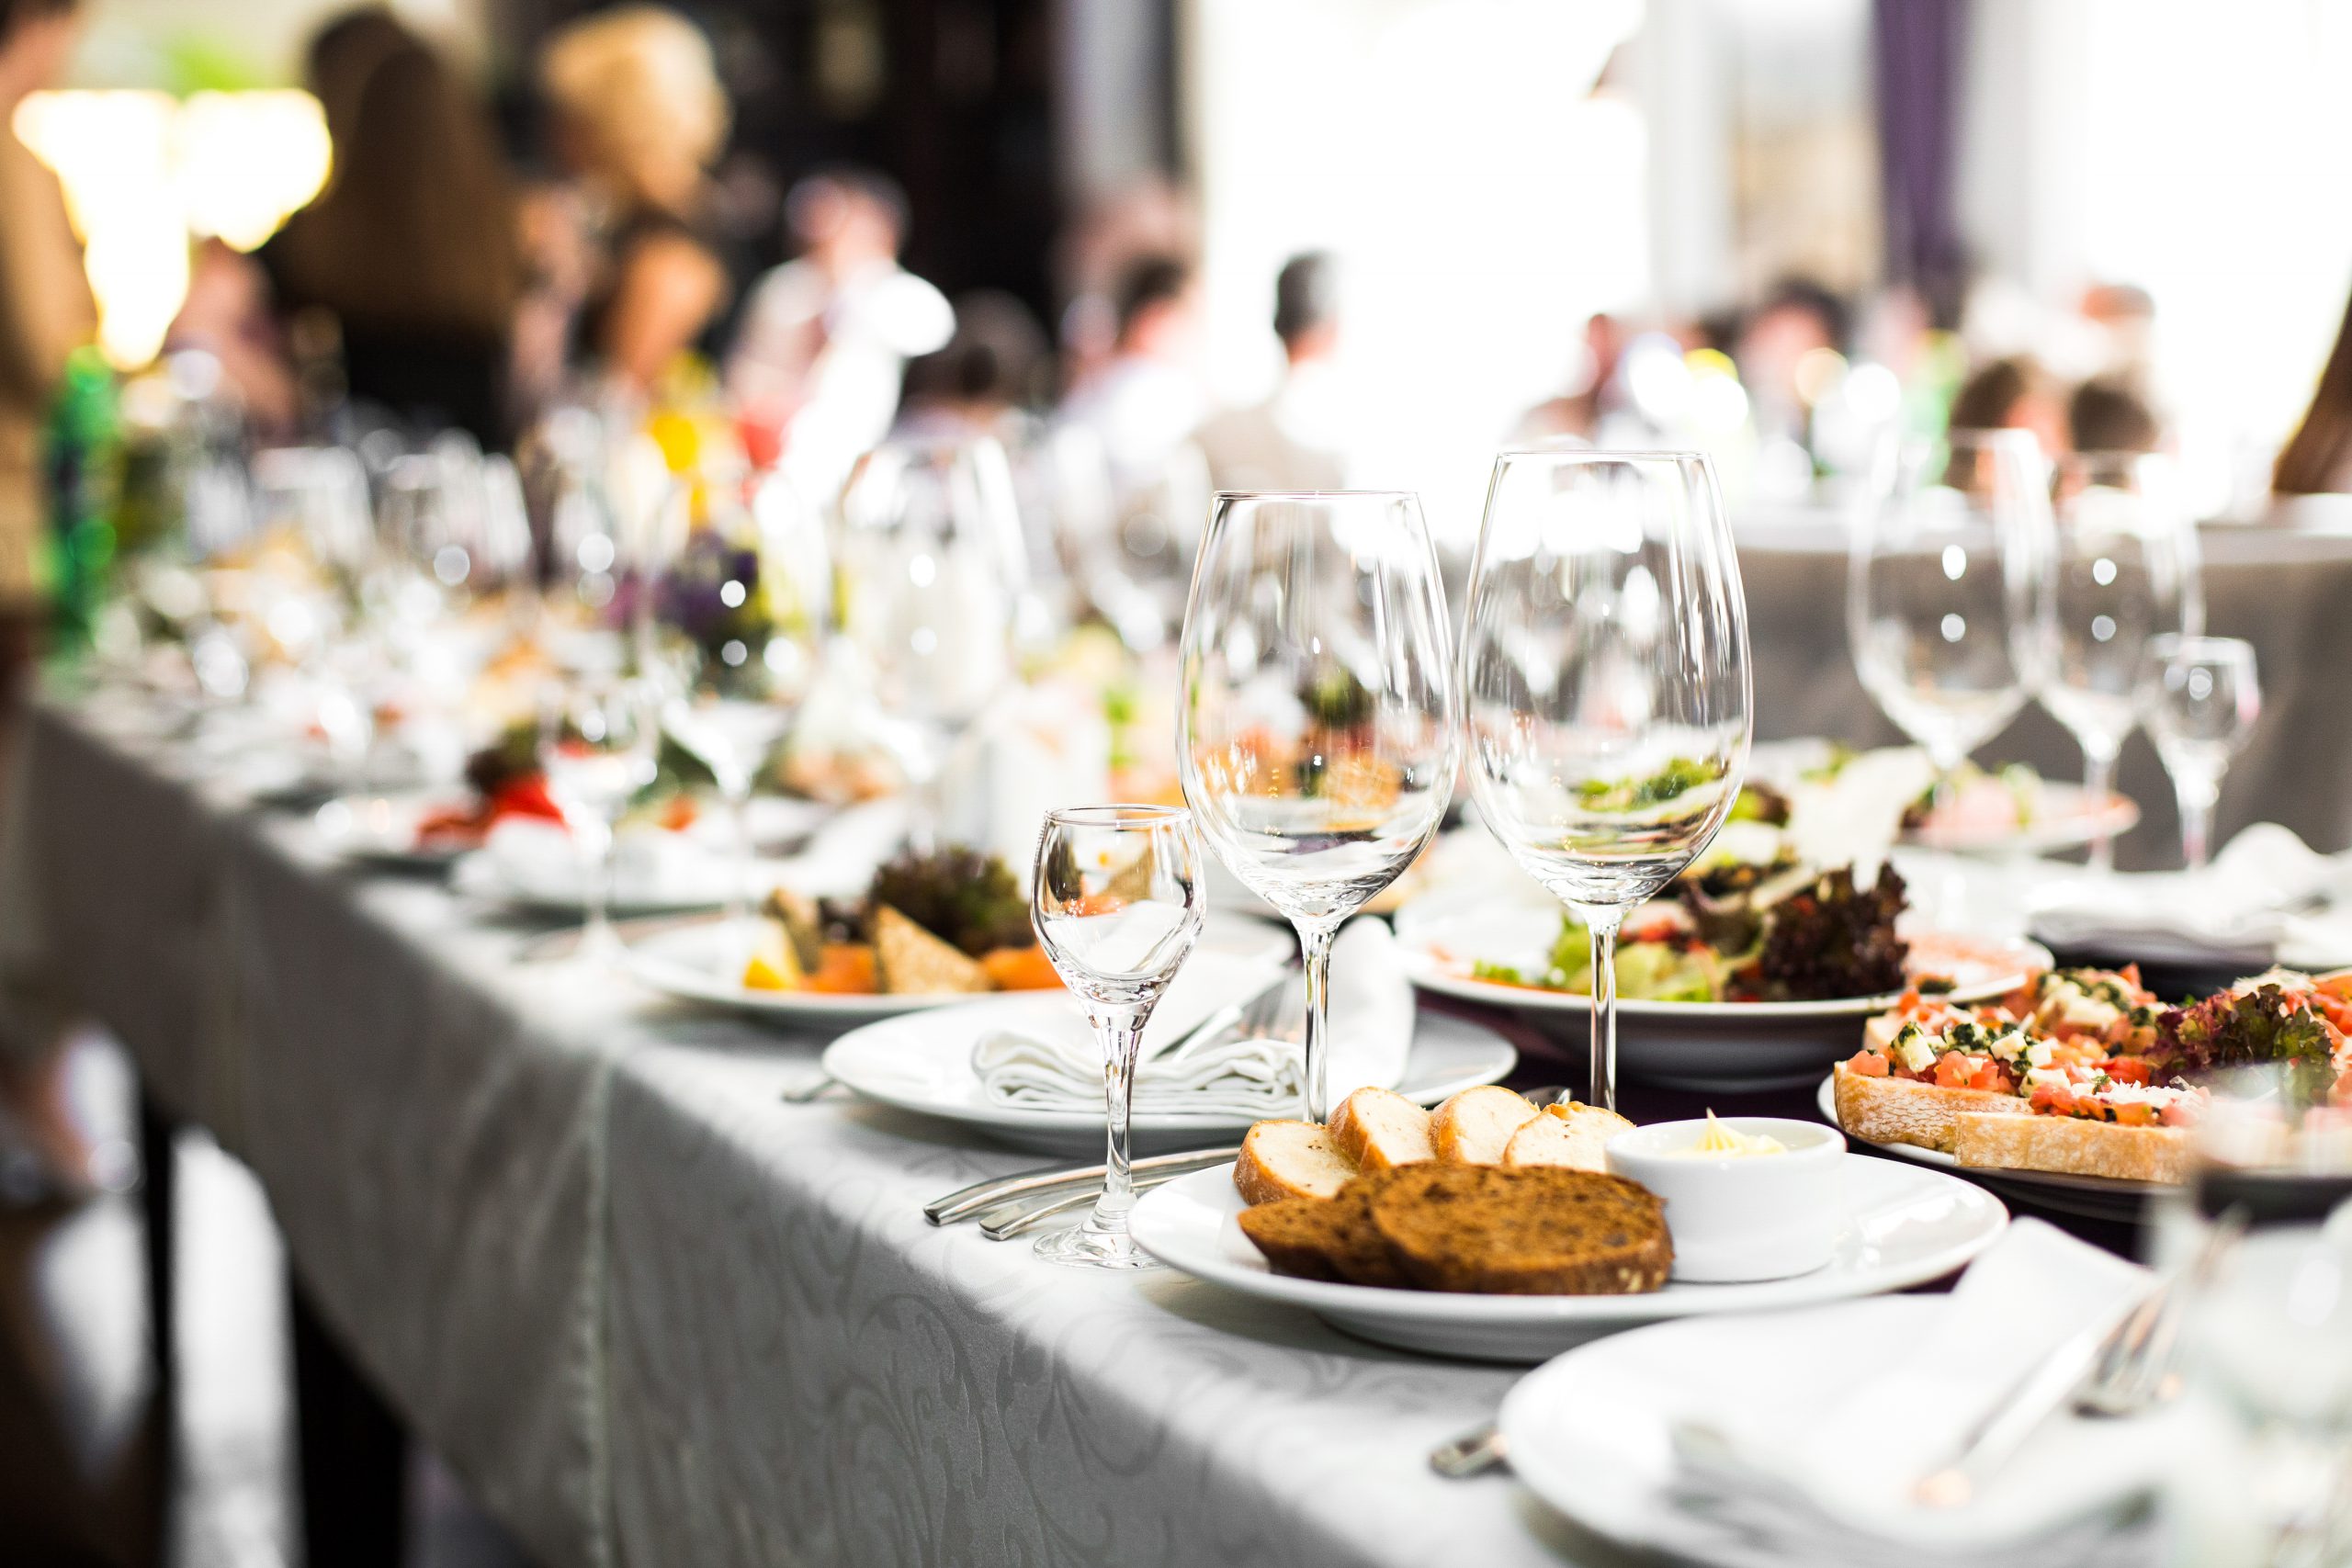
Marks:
<point>1092,1247</point>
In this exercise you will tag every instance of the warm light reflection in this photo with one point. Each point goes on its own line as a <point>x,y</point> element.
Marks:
<point>142,172</point>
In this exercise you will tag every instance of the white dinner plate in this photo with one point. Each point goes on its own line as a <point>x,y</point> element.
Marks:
<point>1719,1045</point>
<point>2066,817</point>
<point>1904,1226</point>
<point>1591,1433</point>
<point>924,1064</point>
<point>2089,1196</point>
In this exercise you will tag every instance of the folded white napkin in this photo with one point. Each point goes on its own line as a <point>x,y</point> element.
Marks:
<point>2242,906</point>
<point>1828,1481</point>
<point>1052,1063</point>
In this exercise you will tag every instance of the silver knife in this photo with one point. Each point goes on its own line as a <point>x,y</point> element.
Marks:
<point>965,1201</point>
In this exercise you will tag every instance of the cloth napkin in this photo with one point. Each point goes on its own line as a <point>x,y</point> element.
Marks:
<point>1828,1484</point>
<point>2242,906</point>
<point>1052,1063</point>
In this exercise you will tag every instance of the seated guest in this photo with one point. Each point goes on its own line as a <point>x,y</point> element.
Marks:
<point>1144,405</point>
<point>825,337</point>
<point>638,116</point>
<point>1291,440</point>
<point>1576,414</point>
<point>2106,415</point>
<point>2317,459</point>
<point>987,378</point>
<point>2011,394</point>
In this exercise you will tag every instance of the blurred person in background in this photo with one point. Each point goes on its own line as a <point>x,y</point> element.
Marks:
<point>2105,414</point>
<point>1798,318</point>
<point>2012,393</point>
<point>986,379</point>
<point>411,250</point>
<point>638,117</point>
<point>2317,459</point>
<point>1292,440</point>
<point>1591,390</point>
<point>1144,405</point>
<point>46,312</point>
<point>816,367</point>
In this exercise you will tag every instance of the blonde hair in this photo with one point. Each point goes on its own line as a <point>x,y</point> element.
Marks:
<point>638,84</point>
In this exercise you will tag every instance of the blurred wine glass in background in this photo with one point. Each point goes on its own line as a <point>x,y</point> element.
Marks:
<point>2202,696</point>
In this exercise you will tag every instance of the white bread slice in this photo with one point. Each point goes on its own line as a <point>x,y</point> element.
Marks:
<point>1380,1129</point>
<point>1289,1159</point>
<point>2071,1145</point>
<point>1572,1136</point>
<point>1474,1126</point>
<point>1901,1111</point>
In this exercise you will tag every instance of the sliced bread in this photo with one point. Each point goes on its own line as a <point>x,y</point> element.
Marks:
<point>1474,1126</point>
<point>1529,1232</point>
<point>2073,1145</point>
<point>1380,1129</point>
<point>1312,1238</point>
<point>1571,1136</point>
<point>1289,1159</point>
<point>909,961</point>
<point>1902,1111</point>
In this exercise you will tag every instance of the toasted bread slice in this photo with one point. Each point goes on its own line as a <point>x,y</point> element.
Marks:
<point>1533,1232</point>
<point>1380,1129</point>
<point>2071,1145</point>
<point>1474,1126</point>
<point>1315,1238</point>
<point>1900,1110</point>
<point>1289,1159</point>
<point>1571,1137</point>
<point>796,912</point>
<point>909,961</point>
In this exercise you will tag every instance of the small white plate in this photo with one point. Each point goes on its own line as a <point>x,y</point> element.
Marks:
<point>924,1065</point>
<point>2089,1196</point>
<point>2066,816</point>
<point>380,829</point>
<point>1591,1433</point>
<point>1905,1227</point>
<point>1686,1044</point>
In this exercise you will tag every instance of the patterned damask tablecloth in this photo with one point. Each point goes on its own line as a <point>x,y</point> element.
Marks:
<point>650,1314</point>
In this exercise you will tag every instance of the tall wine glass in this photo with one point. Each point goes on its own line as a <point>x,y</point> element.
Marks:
<point>1117,903</point>
<point>2123,570</point>
<point>1605,683</point>
<point>1316,740</point>
<point>2202,696</point>
<point>740,609</point>
<point>929,562</point>
<point>597,746</point>
<point>1943,588</point>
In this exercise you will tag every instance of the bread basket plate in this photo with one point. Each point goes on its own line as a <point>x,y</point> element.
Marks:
<point>2086,1197</point>
<point>1904,1226</point>
<point>924,1064</point>
<point>1705,1045</point>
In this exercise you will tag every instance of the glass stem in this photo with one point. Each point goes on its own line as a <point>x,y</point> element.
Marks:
<point>597,941</point>
<point>2197,794</point>
<point>738,881</point>
<point>1121,1034</point>
<point>1315,942</point>
<point>2099,784</point>
<point>1601,925</point>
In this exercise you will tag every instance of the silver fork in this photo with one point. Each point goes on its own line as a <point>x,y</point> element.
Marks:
<point>1253,1015</point>
<point>2135,1371</point>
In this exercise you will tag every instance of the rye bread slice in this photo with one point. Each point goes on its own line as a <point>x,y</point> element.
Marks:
<point>1533,1232</point>
<point>1326,1239</point>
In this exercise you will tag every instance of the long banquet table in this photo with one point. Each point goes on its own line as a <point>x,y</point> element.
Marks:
<point>648,1312</point>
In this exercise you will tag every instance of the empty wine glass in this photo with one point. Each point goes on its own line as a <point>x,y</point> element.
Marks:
<point>597,746</point>
<point>2202,696</point>
<point>740,609</point>
<point>929,562</point>
<point>1116,901</point>
<point>1605,683</point>
<point>1943,588</point>
<point>1316,737</point>
<point>2123,570</point>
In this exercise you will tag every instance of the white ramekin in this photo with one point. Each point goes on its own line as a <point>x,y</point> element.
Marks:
<point>1737,1217</point>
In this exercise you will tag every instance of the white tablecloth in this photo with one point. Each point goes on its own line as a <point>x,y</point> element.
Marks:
<point>653,1315</point>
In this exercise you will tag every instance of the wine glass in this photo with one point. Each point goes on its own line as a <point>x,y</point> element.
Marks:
<point>2202,697</point>
<point>598,743</point>
<point>1605,683</point>
<point>2122,570</point>
<point>1116,901</point>
<point>1943,588</point>
<point>1317,741</point>
<point>930,563</point>
<point>740,610</point>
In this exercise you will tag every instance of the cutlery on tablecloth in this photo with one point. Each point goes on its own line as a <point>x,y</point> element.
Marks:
<point>815,1089</point>
<point>1023,1214</point>
<point>966,1202</point>
<point>1475,1452</point>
